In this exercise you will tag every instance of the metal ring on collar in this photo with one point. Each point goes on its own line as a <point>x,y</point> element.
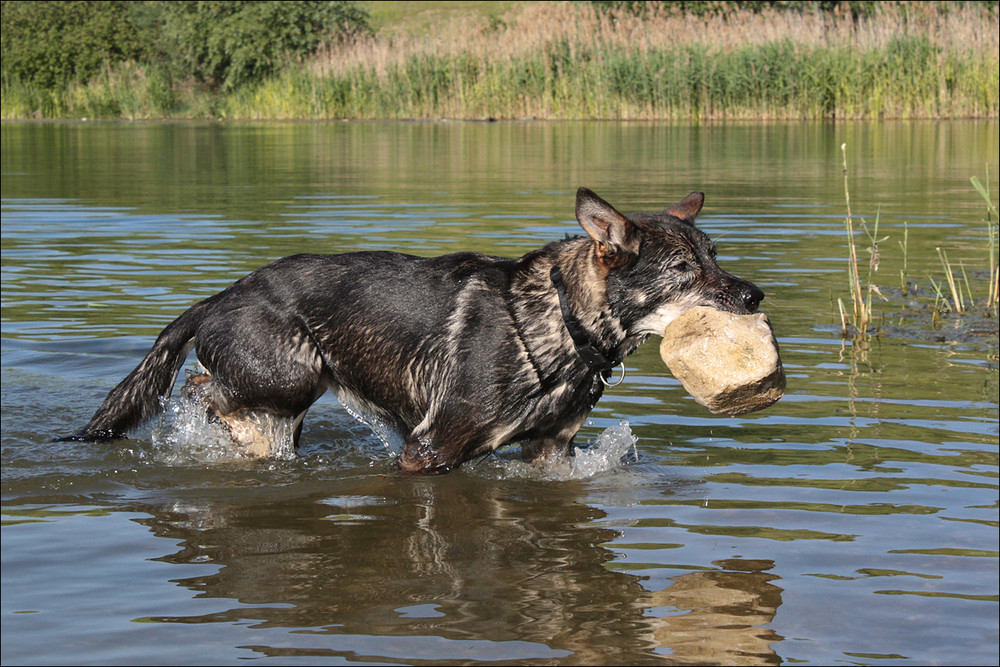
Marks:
<point>618,382</point>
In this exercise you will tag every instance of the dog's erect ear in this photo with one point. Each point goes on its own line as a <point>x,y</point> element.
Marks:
<point>687,208</point>
<point>614,236</point>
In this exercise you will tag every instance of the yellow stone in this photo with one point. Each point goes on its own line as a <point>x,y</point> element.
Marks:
<point>729,363</point>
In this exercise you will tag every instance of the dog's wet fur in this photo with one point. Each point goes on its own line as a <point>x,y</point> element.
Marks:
<point>458,354</point>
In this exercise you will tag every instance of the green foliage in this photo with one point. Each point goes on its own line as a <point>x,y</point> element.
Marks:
<point>239,51</point>
<point>223,44</point>
<point>51,44</point>
<point>232,43</point>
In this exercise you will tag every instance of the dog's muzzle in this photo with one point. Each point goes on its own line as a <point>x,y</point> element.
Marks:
<point>751,295</point>
<point>737,295</point>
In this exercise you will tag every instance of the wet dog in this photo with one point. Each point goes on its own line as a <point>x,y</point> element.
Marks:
<point>458,354</point>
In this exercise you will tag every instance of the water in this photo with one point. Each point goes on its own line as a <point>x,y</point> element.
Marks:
<point>855,521</point>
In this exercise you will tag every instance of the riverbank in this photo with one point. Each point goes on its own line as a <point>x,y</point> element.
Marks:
<point>575,61</point>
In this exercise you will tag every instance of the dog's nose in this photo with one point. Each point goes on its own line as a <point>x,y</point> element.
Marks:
<point>752,296</point>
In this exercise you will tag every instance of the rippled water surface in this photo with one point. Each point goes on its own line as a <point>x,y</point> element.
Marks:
<point>854,522</point>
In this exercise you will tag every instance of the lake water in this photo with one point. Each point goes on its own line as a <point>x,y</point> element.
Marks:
<point>854,522</point>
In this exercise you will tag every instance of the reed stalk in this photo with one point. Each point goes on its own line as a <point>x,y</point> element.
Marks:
<point>939,298</point>
<point>860,311</point>
<point>991,231</point>
<point>956,295</point>
<point>904,245</point>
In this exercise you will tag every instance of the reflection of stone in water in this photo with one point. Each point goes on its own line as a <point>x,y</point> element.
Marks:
<point>726,613</point>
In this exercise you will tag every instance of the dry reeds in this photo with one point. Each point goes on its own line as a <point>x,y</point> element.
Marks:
<point>571,60</point>
<point>536,26</point>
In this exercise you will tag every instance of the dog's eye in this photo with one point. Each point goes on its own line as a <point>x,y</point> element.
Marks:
<point>681,266</point>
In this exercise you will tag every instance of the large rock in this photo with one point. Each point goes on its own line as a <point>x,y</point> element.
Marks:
<point>729,363</point>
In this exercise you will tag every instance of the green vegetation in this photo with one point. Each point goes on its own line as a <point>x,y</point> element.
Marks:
<point>620,60</point>
<point>861,294</point>
<point>953,293</point>
<point>959,296</point>
<point>50,44</point>
<point>960,303</point>
<point>135,59</point>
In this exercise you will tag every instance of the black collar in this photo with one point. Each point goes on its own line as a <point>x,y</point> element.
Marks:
<point>592,355</point>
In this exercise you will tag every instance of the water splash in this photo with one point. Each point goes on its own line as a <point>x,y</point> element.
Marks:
<point>392,439</point>
<point>614,448</point>
<point>186,434</point>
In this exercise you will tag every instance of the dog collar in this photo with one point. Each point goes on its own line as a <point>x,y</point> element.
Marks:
<point>595,359</point>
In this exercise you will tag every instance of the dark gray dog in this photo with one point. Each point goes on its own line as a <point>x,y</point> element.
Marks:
<point>458,354</point>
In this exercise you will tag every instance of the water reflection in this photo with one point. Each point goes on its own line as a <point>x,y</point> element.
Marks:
<point>460,559</point>
<point>732,606</point>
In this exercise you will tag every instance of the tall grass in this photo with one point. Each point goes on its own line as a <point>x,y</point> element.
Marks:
<point>959,296</point>
<point>569,60</point>
<point>953,292</point>
<point>993,295</point>
<point>129,91</point>
<point>861,292</point>
<point>771,81</point>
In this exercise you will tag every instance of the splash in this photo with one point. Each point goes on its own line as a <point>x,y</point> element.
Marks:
<point>609,452</point>
<point>612,448</point>
<point>186,434</point>
<point>391,438</point>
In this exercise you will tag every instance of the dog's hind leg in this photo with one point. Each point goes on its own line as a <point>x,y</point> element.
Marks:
<point>260,384</point>
<point>256,433</point>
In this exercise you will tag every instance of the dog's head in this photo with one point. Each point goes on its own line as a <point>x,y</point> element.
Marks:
<point>658,265</point>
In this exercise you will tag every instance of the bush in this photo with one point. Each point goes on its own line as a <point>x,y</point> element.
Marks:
<point>223,44</point>
<point>51,44</point>
<point>228,44</point>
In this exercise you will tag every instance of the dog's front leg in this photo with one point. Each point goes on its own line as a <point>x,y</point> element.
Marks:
<point>546,449</point>
<point>421,456</point>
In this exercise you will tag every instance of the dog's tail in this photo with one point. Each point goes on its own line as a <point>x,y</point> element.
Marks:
<point>137,397</point>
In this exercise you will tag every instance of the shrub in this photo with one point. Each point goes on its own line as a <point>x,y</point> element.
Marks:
<point>228,44</point>
<point>50,44</point>
<point>223,44</point>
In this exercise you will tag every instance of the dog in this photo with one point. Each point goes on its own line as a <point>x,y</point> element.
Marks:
<point>458,354</point>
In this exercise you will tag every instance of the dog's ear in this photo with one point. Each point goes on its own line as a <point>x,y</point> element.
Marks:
<point>614,236</point>
<point>687,208</point>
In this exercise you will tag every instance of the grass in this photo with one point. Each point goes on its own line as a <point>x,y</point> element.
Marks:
<point>991,227</point>
<point>953,293</point>
<point>562,60</point>
<point>959,297</point>
<point>423,18</point>
<point>861,295</point>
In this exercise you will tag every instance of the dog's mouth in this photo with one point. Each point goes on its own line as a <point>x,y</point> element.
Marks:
<point>744,300</point>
